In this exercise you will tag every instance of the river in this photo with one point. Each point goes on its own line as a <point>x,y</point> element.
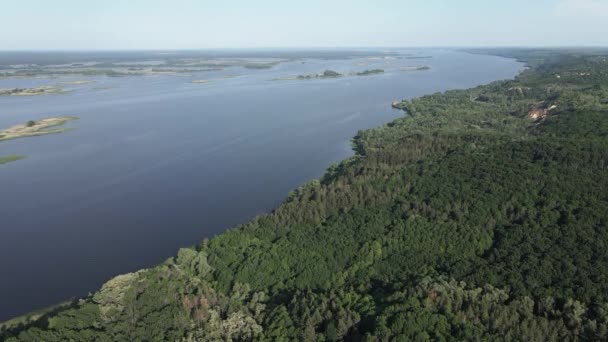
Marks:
<point>157,162</point>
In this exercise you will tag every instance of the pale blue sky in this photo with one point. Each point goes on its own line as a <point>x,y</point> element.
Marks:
<point>195,24</point>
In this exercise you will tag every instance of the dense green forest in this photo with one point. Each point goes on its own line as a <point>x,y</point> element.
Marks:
<point>482,214</point>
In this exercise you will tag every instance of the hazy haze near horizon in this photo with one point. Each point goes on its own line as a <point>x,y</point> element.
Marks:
<point>190,24</point>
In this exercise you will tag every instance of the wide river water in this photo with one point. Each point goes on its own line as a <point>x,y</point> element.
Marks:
<point>156,162</point>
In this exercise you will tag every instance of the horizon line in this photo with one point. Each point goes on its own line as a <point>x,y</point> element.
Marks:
<point>311,48</point>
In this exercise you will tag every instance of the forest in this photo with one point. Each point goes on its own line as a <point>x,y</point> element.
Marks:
<point>481,214</point>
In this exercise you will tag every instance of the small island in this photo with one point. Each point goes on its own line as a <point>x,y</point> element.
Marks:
<point>31,129</point>
<point>36,128</point>
<point>259,65</point>
<point>200,81</point>
<point>330,74</point>
<point>324,74</point>
<point>369,72</point>
<point>417,68</point>
<point>44,90</point>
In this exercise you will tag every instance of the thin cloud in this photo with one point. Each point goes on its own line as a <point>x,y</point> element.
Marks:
<point>582,8</point>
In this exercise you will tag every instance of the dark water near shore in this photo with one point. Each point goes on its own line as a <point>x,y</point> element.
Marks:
<point>156,162</point>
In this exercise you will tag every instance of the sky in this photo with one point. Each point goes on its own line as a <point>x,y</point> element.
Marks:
<point>200,24</point>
